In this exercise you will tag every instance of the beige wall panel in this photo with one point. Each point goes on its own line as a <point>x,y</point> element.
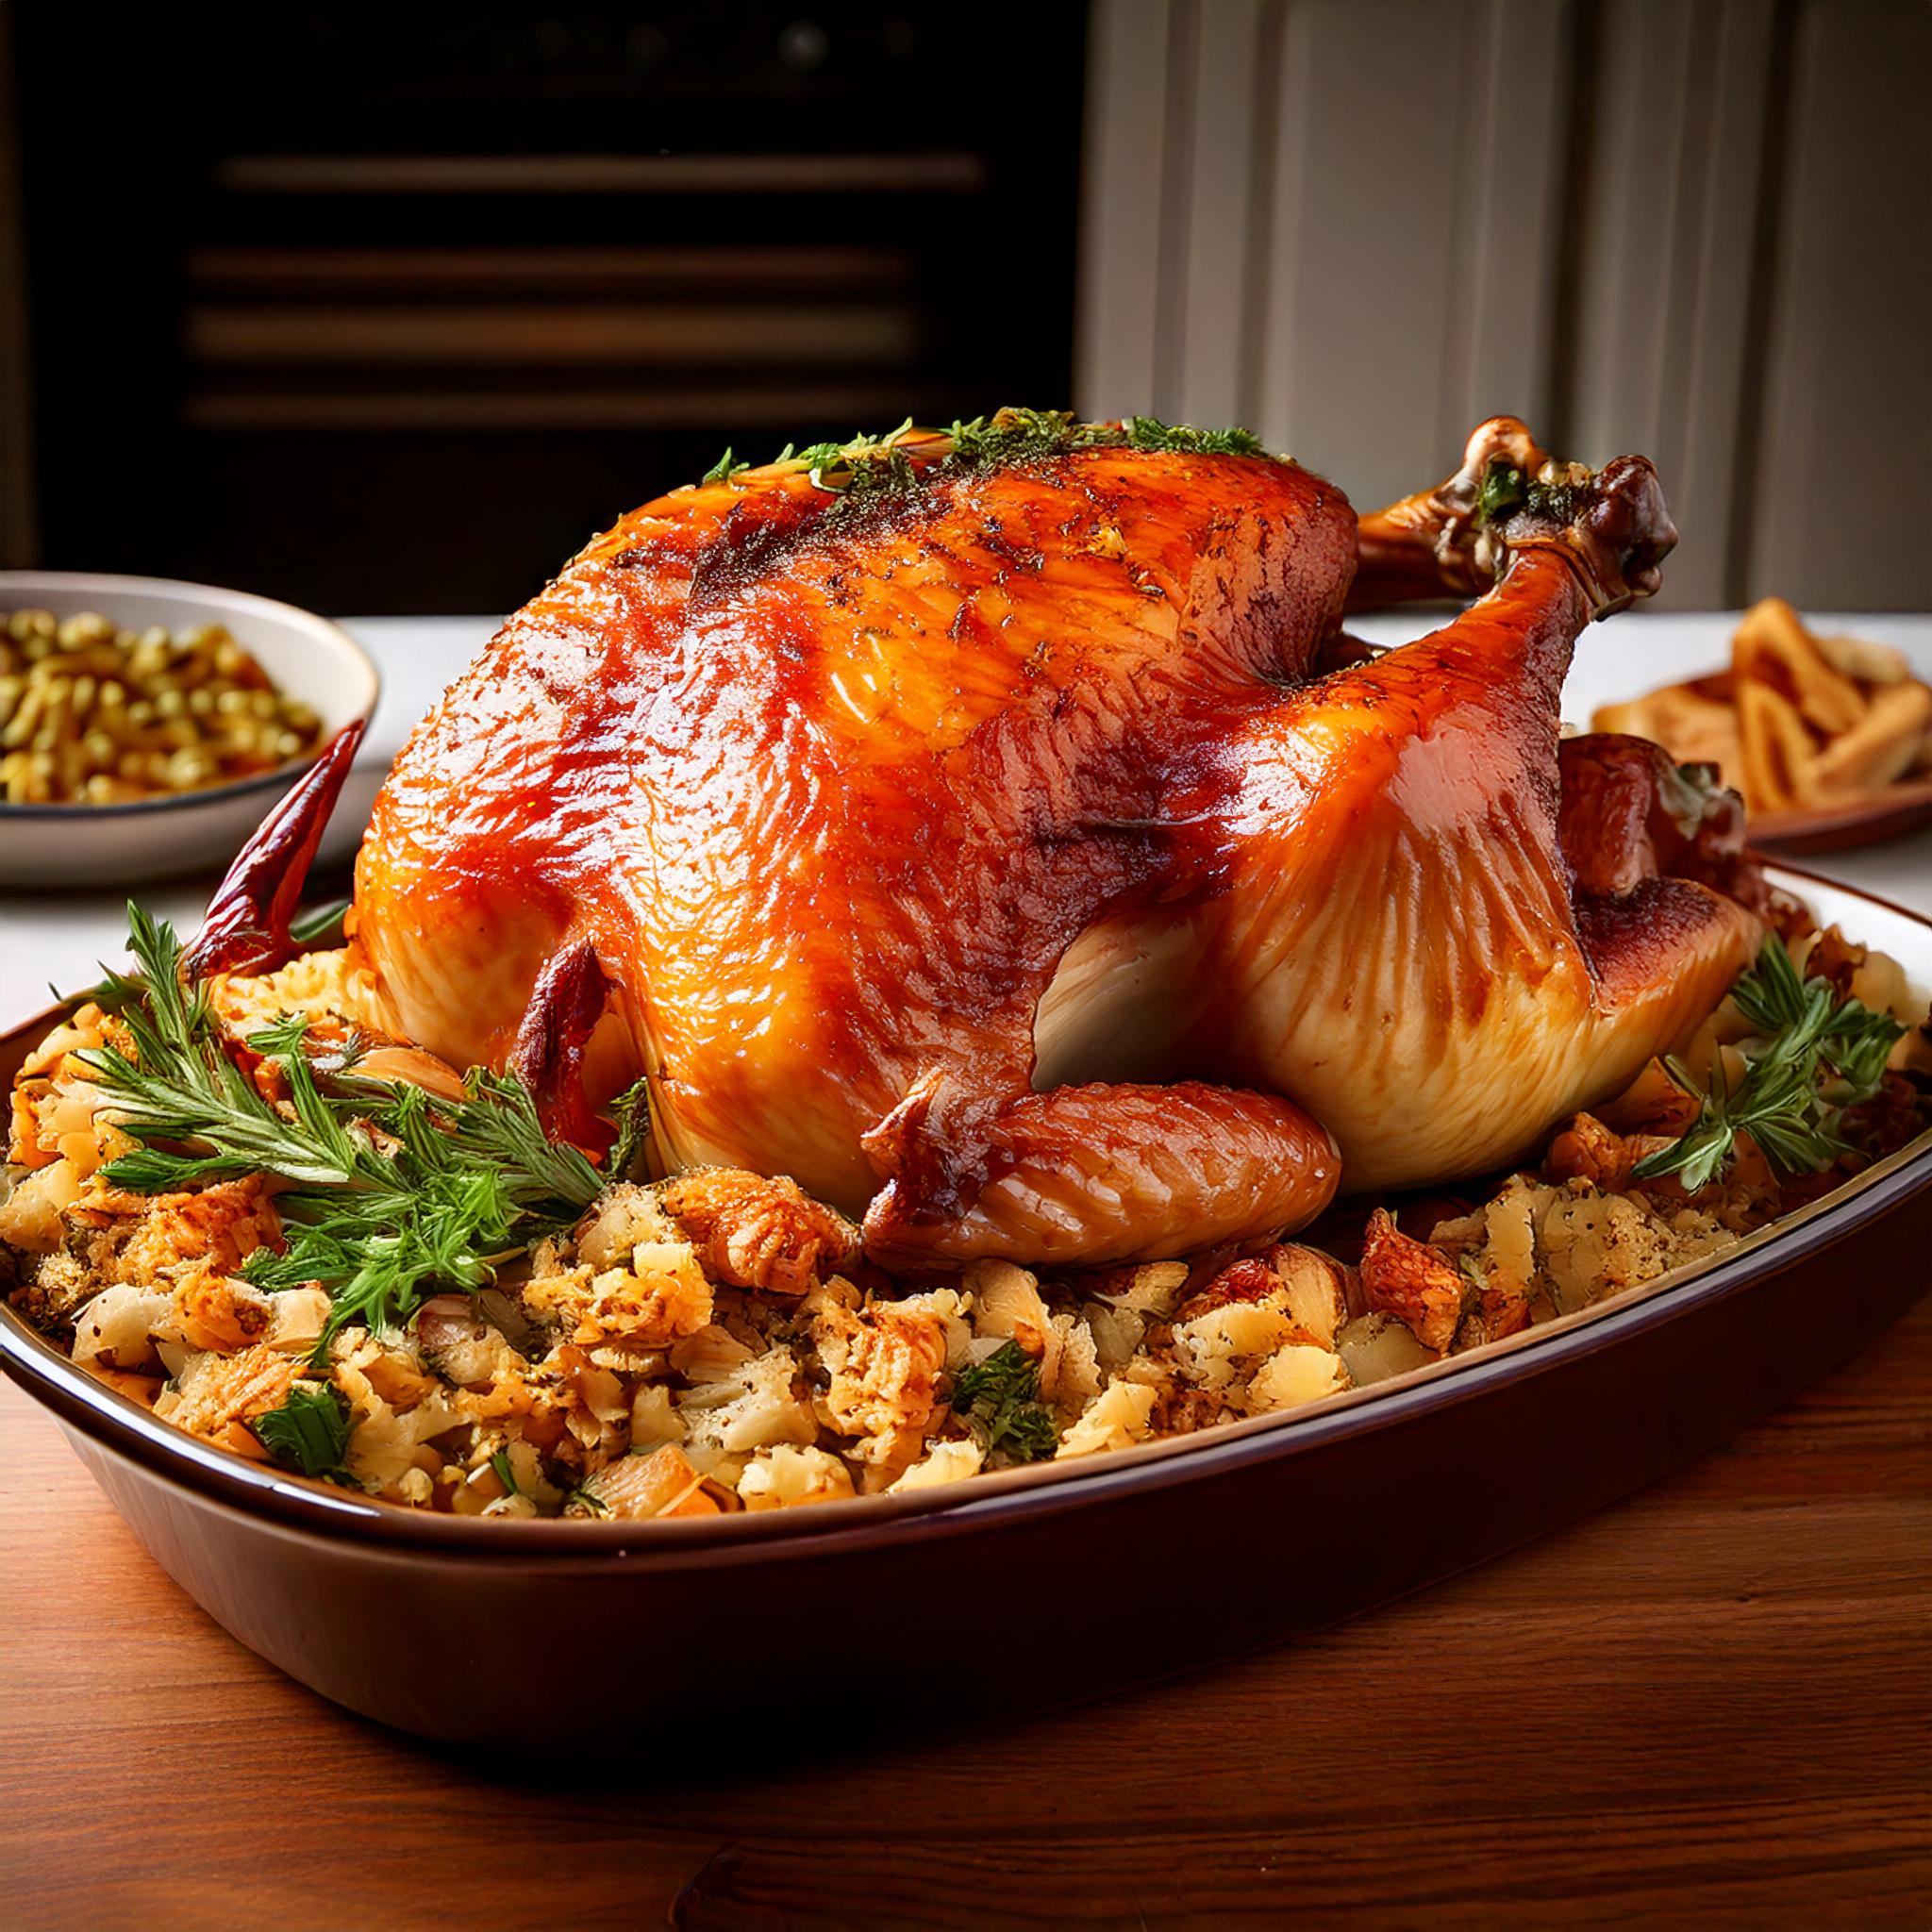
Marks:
<point>1700,229</point>
<point>1840,481</point>
<point>1366,197</point>
<point>1499,311</point>
<point>1203,375</point>
<point>1122,193</point>
<point>1667,214</point>
<point>1334,222</point>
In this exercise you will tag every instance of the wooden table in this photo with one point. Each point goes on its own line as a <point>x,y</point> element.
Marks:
<point>1710,1705</point>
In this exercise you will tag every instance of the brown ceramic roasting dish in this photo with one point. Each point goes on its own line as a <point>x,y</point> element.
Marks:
<point>1160,1560</point>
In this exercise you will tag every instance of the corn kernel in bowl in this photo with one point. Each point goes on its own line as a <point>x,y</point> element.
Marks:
<point>92,715</point>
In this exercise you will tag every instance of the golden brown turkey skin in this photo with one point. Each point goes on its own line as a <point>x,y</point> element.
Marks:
<point>1403,945</point>
<point>873,822</point>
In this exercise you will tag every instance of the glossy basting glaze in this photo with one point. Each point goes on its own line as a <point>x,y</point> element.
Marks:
<point>999,859</point>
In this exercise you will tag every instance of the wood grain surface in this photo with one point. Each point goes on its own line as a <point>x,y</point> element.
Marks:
<point>1711,1706</point>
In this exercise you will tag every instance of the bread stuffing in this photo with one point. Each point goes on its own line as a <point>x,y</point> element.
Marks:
<point>319,1247</point>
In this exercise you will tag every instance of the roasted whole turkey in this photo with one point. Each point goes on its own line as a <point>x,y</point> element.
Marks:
<point>998,833</point>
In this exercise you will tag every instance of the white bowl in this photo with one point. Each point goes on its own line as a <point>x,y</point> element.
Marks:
<point>306,656</point>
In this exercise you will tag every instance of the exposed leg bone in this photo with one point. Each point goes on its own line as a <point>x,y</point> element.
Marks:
<point>1431,544</point>
<point>1510,496</point>
<point>246,927</point>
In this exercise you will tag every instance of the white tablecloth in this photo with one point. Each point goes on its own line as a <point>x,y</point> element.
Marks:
<point>60,941</point>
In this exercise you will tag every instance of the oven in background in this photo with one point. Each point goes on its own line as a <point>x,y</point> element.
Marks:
<point>385,309</point>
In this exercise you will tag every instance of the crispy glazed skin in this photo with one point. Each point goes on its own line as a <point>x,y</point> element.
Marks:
<point>874,823</point>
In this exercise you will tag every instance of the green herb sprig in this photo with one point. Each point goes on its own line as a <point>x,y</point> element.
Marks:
<point>1147,432</point>
<point>1501,492</point>
<point>1505,490</point>
<point>874,468</point>
<point>1815,1056</point>
<point>392,1191</point>
<point>632,1108</point>
<point>998,1399</point>
<point>309,1432</point>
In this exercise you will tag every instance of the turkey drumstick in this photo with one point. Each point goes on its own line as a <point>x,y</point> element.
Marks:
<point>1508,494</point>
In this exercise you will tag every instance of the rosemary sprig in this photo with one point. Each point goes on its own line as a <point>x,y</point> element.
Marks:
<point>632,1108</point>
<point>320,924</point>
<point>1815,1056</point>
<point>392,1192</point>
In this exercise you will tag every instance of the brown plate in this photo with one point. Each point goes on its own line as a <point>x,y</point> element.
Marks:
<point>1025,1589</point>
<point>1886,815</point>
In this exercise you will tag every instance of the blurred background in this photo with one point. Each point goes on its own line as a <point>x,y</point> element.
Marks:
<point>387,308</point>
